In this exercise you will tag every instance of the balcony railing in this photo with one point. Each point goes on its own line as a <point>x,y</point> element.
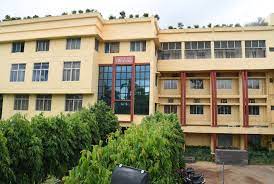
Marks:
<point>198,54</point>
<point>169,54</point>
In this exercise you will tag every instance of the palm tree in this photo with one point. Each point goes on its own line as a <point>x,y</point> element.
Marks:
<point>180,25</point>
<point>157,17</point>
<point>122,14</point>
<point>209,25</point>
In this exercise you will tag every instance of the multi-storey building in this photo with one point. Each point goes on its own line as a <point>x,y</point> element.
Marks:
<point>219,81</point>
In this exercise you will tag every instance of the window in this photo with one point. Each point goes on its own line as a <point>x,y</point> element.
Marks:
<point>272,108</point>
<point>73,102</point>
<point>73,43</point>
<point>105,84</point>
<point>71,71</point>
<point>224,84</point>
<point>224,141</point>
<point>227,49</point>
<point>197,50</point>
<point>21,102</point>
<point>168,109</point>
<point>254,141</point>
<point>170,84</point>
<point>112,47</point>
<point>196,84</point>
<point>196,109</point>
<point>254,110</point>
<point>224,109</point>
<point>42,45</point>
<point>253,84</point>
<point>17,72</point>
<point>170,50</point>
<point>138,46</point>
<point>96,47</point>
<point>255,49</point>
<point>18,47</point>
<point>123,89</point>
<point>142,89</point>
<point>40,72</point>
<point>43,102</point>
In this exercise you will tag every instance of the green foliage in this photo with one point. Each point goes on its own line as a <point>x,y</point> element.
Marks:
<point>260,156</point>
<point>25,150</point>
<point>107,121</point>
<point>201,153</point>
<point>156,146</point>
<point>6,173</point>
<point>30,151</point>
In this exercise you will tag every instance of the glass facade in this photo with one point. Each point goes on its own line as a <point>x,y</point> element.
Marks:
<point>122,86</point>
<point>142,82</point>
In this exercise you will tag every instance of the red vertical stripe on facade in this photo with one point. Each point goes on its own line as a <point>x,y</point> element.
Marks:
<point>183,98</point>
<point>213,99</point>
<point>214,137</point>
<point>245,141</point>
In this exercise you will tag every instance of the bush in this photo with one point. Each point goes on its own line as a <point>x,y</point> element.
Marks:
<point>156,146</point>
<point>261,156</point>
<point>107,121</point>
<point>6,173</point>
<point>201,153</point>
<point>25,150</point>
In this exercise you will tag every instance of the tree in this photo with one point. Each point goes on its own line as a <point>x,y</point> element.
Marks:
<point>237,25</point>
<point>209,25</point>
<point>196,26</point>
<point>131,16</point>
<point>111,17</point>
<point>88,10</point>
<point>157,17</point>
<point>35,16</point>
<point>80,11</point>
<point>122,15</point>
<point>170,27</point>
<point>260,22</point>
<point>146,15</point>
<point>136,16</point>
<point>74,12</point>
<point>25,150</point>
<point>180,25</point>
<point>64,13</point>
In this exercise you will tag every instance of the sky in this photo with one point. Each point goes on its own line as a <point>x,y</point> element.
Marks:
<point>189,12</point>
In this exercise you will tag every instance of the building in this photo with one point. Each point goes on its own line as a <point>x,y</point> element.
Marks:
<point>219,81</point>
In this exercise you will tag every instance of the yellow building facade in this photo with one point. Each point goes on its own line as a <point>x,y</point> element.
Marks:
<point>219,81</point>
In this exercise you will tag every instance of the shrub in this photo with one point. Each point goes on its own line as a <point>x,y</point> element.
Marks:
<point>25,150</point>
<point>156,146</point>
<point>260,156</point>
<point>6,174</point>
<point>107,121</point>
<point>201,153</point>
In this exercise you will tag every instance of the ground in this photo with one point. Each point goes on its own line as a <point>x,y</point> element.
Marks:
<point>249,174</point>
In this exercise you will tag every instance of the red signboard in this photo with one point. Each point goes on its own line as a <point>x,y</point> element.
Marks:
<point>123,60</point>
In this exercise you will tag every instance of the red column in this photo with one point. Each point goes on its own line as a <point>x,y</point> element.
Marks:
<point>183,98</point>
<point>245,98</point>
<point>245,141</point>
<point>213,99</point>
<point>214,138</point>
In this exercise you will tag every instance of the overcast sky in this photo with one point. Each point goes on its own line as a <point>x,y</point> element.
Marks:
<point>189,12</point>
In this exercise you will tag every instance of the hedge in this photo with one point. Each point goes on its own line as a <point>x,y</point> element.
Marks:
<point>156,146</point>
<point>32,150</point>
<point>261,156</point>
<point>201,153</point>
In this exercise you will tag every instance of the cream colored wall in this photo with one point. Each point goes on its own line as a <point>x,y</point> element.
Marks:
<point>56,57</point>
<point>57,105</point>
<point>197,139</point>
